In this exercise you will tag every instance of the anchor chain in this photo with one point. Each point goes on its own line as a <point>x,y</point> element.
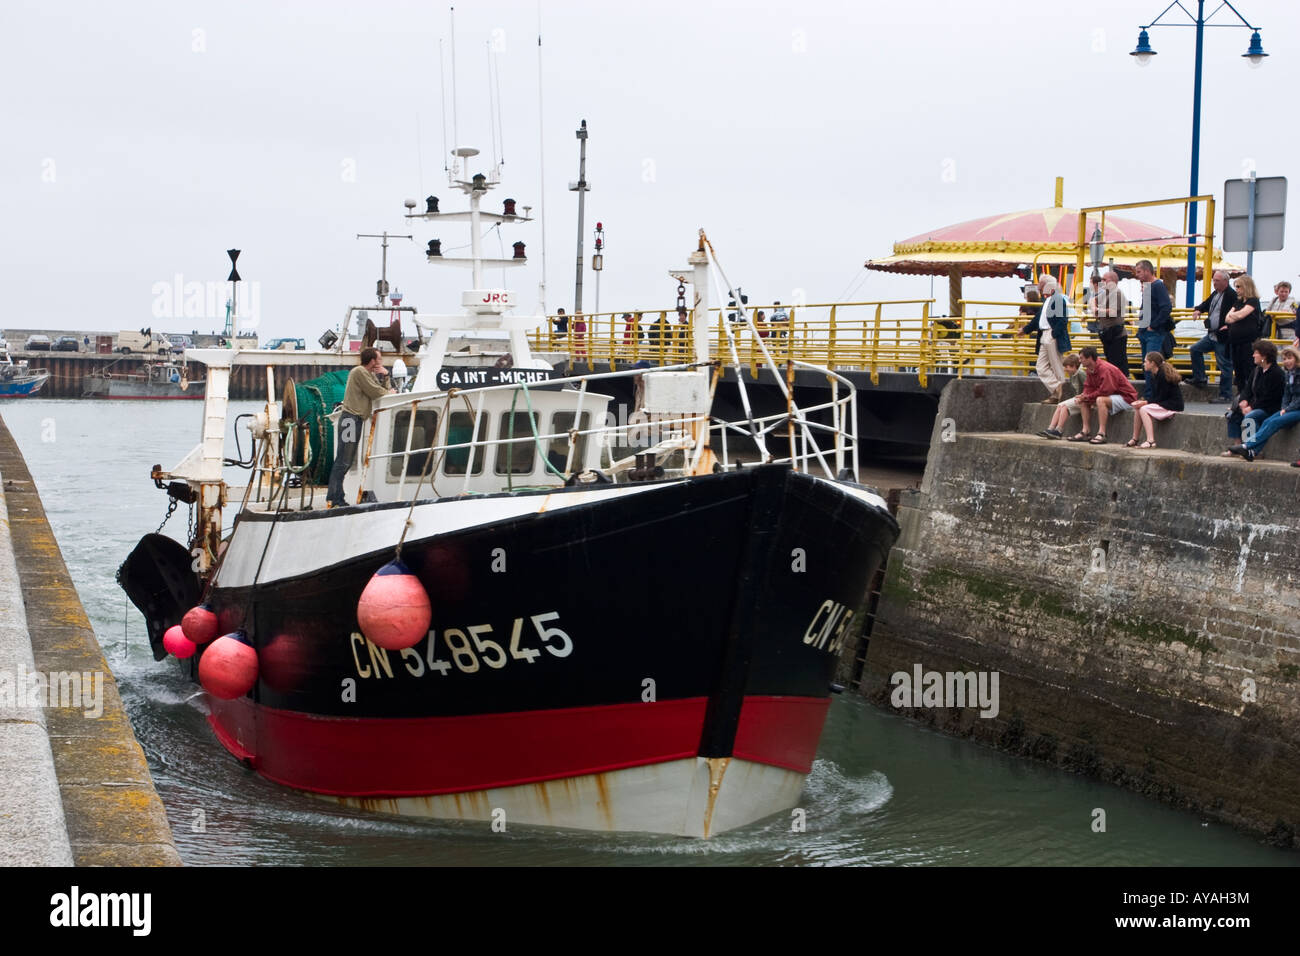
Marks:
<point>171,509</point>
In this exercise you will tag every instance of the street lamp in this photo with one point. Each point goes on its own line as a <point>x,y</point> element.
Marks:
<point>1142,56</point>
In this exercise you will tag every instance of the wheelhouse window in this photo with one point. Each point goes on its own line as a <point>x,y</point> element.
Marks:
<point>517,457</point>
<point>558,451</point>
<point>459,425</point>
<point>422,436</point>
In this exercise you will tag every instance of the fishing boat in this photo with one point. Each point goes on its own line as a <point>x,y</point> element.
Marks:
<point>17,380</point>
<point>511,621</point>
<point>160,380</point>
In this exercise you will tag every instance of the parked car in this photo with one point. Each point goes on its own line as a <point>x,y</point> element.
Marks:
<point>180,342</point>
<point>286,344</point>
<point>38,343</point>
<point>67,343</point>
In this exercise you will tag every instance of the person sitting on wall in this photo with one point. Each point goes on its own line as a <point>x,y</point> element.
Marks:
<point>1284,417</point>
<point>1155,320</point>
<point>1108,389</point>
<point>1262,394</point>
<point>1075,379</point>
<point>1164,398</point>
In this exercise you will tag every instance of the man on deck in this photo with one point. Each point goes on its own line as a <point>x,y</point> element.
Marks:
<point>363,387</point>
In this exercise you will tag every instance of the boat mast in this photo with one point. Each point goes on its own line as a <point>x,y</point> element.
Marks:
<point>580,187</point>
<point>381,287</point>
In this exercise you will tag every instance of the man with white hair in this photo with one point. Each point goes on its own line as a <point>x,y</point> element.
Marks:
<point>1051,324</point>
<point>1221,301</point>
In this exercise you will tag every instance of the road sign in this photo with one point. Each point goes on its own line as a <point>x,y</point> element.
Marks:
<point>1254,214</point>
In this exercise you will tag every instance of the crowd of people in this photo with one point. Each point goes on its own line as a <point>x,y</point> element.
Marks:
<point>666,330</point>
<point>1264,397</point>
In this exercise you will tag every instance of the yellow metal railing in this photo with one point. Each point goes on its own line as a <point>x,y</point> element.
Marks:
<point>871,337</point>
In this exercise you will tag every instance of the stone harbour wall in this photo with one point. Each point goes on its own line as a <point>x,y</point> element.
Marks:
<point>1140,608</point>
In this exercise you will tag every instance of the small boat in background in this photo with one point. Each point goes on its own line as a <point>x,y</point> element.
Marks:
<point>17,380</point>
<point>158,380</point>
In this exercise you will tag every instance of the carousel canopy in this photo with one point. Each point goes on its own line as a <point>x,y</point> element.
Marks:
<point>999,245</point>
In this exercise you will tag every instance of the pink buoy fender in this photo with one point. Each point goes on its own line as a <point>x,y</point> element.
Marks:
<point>177,644</point>
<point>394,610</point>
<point>228,667</point>
<point>200,624</point>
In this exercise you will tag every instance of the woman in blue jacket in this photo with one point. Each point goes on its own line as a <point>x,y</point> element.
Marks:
<point>1287,416</point>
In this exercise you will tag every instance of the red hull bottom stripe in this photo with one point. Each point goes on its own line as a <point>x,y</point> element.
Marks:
<point>781,731</point>
<point>431,755</point>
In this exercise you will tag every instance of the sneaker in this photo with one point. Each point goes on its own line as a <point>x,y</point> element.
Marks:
<point>1216,400</point>
<point>1295,464</point>
<point>1050,433</point>
<point>1199,383</point>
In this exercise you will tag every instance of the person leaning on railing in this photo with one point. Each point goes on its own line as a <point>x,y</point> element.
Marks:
<point>1109,307</point>
<point>363,387</point>
<point>1283,301</point>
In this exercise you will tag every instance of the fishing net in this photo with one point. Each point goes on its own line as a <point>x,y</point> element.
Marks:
<point>316,399</point>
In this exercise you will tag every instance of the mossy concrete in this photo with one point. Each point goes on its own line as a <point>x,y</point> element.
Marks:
<point>1141,610</point>
<point>111,812</point>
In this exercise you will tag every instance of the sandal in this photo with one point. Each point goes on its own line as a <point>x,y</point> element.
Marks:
<point>1079,437</point>
<point>1131,443</point>
<point>1097,439</point>
<point>1147,444</point>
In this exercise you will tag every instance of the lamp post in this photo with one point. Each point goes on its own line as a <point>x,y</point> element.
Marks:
<point>1143,54</point>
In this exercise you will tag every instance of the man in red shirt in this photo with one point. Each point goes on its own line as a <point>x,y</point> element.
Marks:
<point>1106,387</point>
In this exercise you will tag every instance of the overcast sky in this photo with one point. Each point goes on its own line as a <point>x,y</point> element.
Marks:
<point>143,139</point>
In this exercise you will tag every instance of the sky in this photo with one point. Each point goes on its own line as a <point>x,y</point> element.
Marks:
<point>144,139</point>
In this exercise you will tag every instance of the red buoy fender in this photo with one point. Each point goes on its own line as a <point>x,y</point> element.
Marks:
<point>228,667</point>
<point>394,610</point>
<point>200,624</point>
<point>177,644</point>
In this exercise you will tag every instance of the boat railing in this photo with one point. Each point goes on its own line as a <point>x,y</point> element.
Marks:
<point>663,435</point>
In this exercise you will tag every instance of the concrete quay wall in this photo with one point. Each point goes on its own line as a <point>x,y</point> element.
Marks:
<point>1140,608</point>
<point>74,784</point>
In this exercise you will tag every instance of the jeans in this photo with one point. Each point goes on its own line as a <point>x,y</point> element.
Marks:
<point>1221,358</point>
<point>1272,424</point>
<point>1235,418</point>
<point>1150,342</point>
<point>344,455</point>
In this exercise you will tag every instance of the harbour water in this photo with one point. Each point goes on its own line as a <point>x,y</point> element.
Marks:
<point>883,791</point>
